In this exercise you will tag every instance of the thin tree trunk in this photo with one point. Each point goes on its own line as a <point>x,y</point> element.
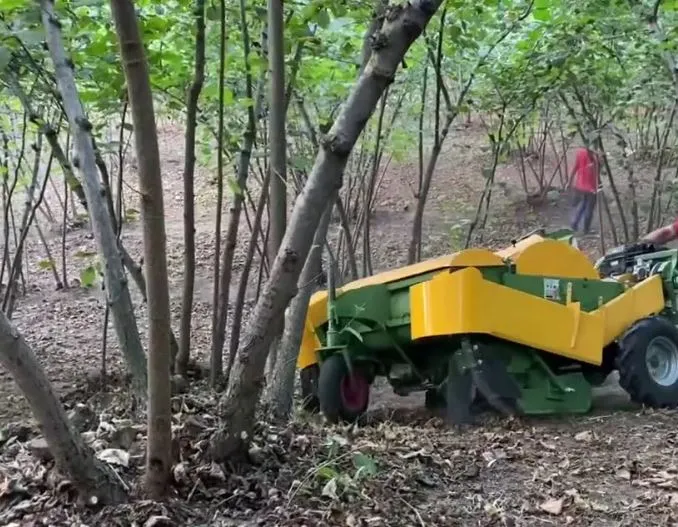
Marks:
<point>244,276</point>
<point>341,210</point>
<point>248,139</point>
<point>8,192</point>
<point>216,360</point>
<point>95,483</point>
<point>277,141</point>
<point>64,227</point>
<point>370,188</point>
<point>658,171</point>
<point>52,138</point>
<point>55,272</point>
<point>189,194</point>
<point>158,458</point>
<point>401,28</point>
<point>26,219</point>
<point>277,218</point>
<point>118,296</point>
<point>281,387</point>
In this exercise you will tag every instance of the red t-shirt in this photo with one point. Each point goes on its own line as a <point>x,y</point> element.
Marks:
<point>586,171</point>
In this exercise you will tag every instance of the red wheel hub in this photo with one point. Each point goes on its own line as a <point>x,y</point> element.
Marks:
<point>355,391</point>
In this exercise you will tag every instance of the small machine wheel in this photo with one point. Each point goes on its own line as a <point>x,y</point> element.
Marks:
<point>434,400</point>
<point>648,363</point>
<point>308,378</point>
<point>342,396</point>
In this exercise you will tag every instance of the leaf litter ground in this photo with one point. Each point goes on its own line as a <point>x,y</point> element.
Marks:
<point>403,466</point>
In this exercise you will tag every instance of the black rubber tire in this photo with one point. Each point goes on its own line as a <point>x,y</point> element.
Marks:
<point>434,400</point>
<point>332,373</point>
<point>634,376</point>
<point>308,378</point>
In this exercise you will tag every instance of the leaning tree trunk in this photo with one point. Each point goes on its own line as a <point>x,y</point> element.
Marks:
<point>281,387</point>
<point>94,482</point>
<point>189,193</point>
<point>118,295</point>
<point>158,458</point>
<point>403,24</point>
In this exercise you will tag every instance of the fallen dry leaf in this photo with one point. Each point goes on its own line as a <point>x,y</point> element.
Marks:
<point>586,435</point>
<point>114,456</point>
<point>553,506</point>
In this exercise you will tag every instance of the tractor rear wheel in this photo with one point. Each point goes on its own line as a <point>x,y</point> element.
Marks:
<point>648,363</point>
<point>343,396</point>
<point>308,378</point>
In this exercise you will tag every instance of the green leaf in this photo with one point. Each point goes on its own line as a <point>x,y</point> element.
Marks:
<point>353,332</point>
<point>30,37</point>
<point>88,276</point>
<point>233,185</point>
<point>365,464</point>
<point>131,214</point>
<point>323,18</point>
<point>8,5</point>
<point>327,472</point>
<point>85,254</point>
<point>46,265</point>
<point>454,32</point>
<point>542,15</point>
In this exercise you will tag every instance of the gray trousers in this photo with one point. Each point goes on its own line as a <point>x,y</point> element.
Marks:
<point>583,205</point>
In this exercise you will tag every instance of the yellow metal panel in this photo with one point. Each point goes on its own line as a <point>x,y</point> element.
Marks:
<point>475,258</point>
<point>463,302</point>
<point>639,301</point>
<point>468,257</point>
<point>555,258</point>
<point>515,250</point>
<point>315,316</point>
<point>442,262</point>
<point>317,309</point>
<point>309,343</point>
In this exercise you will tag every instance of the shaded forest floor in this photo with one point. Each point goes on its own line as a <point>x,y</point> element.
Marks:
<point>405,467</point>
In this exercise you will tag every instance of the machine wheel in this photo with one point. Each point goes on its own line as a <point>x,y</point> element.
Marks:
<point>434,400</point>
<point>648,363</point>
<point>308,378</point>
<point>343,397</point>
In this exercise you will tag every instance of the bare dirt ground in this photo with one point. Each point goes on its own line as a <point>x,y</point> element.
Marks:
<point>403,467</point>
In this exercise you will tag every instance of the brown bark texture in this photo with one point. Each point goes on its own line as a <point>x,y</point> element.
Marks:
<point>189,192</point>
<point>117,291</point>
<point>93,480</point>
<point>280,388</point>
<point>158,459</point>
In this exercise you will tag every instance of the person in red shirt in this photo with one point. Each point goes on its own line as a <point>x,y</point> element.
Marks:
<point>584,181</point>
<point>664,234</point>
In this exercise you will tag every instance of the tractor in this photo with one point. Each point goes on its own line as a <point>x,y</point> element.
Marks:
<point>529,329</point>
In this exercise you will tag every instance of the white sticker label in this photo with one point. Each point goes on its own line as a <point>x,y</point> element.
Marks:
<point>552,288</point>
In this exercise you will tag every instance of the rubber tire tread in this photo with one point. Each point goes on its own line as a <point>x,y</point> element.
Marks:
<point>434,400</point>
<point>332,372</point>
<point>633,374</point>
<point>309,396</point>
